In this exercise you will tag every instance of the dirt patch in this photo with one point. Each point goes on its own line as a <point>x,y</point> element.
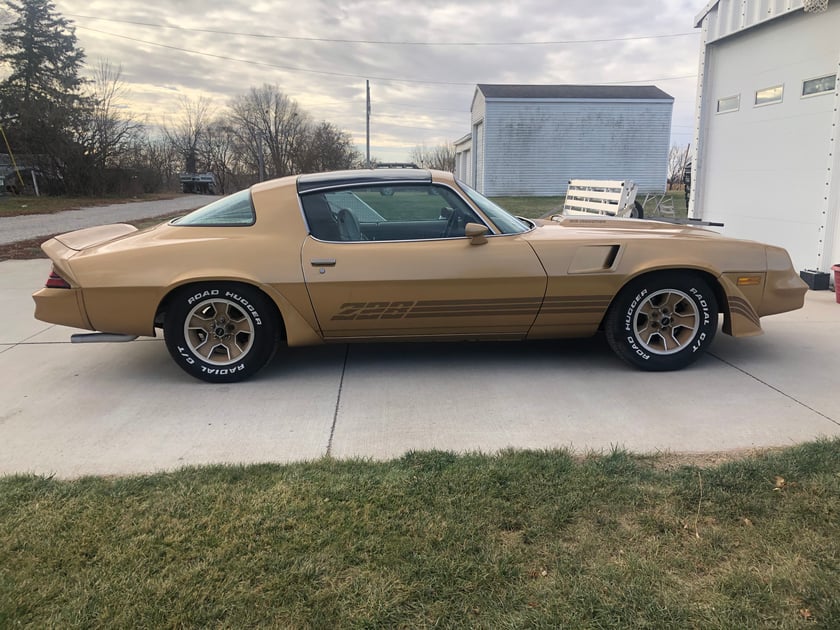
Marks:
<point>23,250</point>
<point>673,461</point>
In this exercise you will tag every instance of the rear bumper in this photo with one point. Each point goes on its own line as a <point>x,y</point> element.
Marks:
<point>61,306</point>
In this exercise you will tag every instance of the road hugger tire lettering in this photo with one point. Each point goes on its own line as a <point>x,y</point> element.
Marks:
<point>662,321</point>
<point>220,332</point>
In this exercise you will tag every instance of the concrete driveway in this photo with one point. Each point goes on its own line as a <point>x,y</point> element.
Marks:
<point>73,410</point>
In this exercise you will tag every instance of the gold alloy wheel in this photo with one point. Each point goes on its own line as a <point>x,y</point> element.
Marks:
<point>219,331</point>
<point>666,321</point>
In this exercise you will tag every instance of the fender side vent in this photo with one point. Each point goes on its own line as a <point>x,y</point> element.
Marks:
<point>594,258</point>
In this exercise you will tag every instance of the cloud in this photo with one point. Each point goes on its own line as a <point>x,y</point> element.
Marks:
<point>421,94</point>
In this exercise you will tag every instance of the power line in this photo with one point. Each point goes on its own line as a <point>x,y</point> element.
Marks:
<point>270,65</point>
<point>338,74</point>
<point>381,42</point>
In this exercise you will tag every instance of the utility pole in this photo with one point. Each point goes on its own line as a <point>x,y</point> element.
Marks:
<point>367,110</point>
<point>17,170</point>
<point>260,157</point>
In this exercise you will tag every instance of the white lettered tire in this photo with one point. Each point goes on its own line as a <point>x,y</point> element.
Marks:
<point>663,321</point>
<point>220,332</point>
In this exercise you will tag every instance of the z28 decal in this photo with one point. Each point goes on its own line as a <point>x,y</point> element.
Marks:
<point>373,310</point>
<point>437,308</point>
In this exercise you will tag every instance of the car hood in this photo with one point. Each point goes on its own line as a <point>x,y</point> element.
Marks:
<point>598,226</point>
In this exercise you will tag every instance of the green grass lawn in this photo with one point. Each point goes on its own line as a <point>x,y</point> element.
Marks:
<point>536,207</point>
<point>516,540</point>
<point>531,207</point>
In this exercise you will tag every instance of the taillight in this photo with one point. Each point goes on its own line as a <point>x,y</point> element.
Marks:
<point>55,281</point>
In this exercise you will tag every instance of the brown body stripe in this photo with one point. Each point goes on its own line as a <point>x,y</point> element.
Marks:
<point>481,313</point>
<point>579,298</point>
<point>499,302</point>
<point>500,307</point>
<point>742,307</point>
<point>563,311</point>
<point>576,304</point>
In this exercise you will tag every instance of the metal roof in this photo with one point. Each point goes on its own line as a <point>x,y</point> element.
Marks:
<point>627,92</point>
<point>723,18</point>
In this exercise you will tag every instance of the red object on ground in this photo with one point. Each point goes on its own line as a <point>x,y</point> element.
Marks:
<point>836,270</point>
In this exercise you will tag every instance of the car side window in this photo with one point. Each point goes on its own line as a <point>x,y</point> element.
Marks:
<point>400,212</point>
<point>233,210</point>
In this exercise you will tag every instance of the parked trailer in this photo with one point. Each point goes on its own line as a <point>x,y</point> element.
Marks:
<point>614,198</point>
<point>199,183</point>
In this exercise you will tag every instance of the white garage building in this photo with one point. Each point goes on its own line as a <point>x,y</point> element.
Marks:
<point>767,148</point>
<point>532,139</point>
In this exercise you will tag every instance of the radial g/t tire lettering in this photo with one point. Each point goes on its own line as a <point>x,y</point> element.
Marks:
<point>220,332</point>
<point>662,321</point>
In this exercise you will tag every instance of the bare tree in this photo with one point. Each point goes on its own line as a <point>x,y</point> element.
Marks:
<point>273,128</point>
<point>112,131</point>
<point>440,157</point>
<point>186,133</point>
<point>678,157</point>
<point>221,151</point>
<point>328,148</point>
<point>262,134</point>
<point>161,158</point>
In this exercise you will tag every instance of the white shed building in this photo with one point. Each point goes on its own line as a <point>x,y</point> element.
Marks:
<point>463,158</point>
<point>532,139</point>
<point>767,148</point>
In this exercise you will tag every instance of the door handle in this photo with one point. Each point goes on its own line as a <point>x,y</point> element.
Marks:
<point>322,262</point>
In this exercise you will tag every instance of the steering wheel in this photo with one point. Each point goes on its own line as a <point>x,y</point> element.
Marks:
<point>348,226</point>
<point>456,223</point>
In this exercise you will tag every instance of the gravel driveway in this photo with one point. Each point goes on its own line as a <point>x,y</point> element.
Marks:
<point>25,227</point>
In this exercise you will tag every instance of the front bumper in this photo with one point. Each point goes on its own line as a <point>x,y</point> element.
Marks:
<point>784,290</point>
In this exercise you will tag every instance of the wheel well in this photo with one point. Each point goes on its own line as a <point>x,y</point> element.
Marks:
<point>720,295</point>
<point>160,313</point>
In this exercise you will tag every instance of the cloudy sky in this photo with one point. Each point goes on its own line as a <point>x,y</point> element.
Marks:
<point>422,58</point>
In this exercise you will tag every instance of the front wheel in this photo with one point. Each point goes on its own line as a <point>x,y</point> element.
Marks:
<point>662,321</point>
<point>220,332</point>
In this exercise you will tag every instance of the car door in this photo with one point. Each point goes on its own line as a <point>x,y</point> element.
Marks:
<point>410,273</point>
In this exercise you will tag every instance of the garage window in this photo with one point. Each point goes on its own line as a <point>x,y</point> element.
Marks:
<point>820,85</point>
<point>729,104</point>
<point>770,95</point>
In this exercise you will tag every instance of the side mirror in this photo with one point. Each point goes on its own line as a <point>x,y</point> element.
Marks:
<point>477,232</point>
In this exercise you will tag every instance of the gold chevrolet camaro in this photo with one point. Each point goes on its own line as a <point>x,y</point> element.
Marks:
<point>405,254</point>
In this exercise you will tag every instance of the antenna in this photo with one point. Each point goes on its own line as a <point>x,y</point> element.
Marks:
<point>367,110</point>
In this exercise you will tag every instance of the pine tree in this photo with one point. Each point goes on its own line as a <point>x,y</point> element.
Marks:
<point>41,100</point>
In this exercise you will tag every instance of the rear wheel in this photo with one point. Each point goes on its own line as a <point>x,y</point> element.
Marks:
<point>662,321</point>
<point>220,332</point>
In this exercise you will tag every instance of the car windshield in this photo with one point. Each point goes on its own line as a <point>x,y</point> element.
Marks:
<point>501,218</point>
